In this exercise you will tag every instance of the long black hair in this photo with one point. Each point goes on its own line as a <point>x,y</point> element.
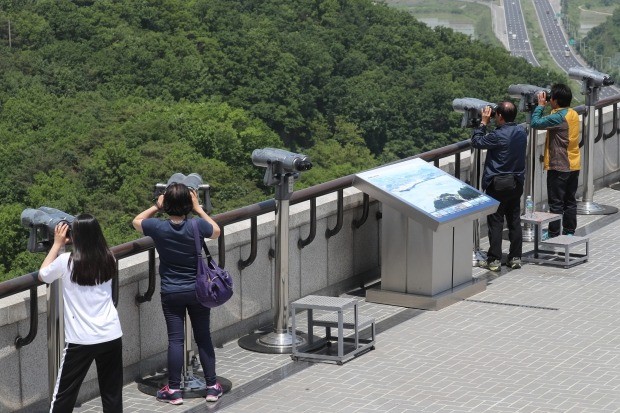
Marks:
<point>93,262</point>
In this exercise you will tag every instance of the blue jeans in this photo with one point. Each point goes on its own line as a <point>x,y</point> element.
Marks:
<point>174,306</point>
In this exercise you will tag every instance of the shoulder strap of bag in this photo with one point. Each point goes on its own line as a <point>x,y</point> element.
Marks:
<point>196,240</point>
<point>204,244</point>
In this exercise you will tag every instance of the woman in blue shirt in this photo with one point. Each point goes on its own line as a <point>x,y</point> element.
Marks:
<point>174,241</point>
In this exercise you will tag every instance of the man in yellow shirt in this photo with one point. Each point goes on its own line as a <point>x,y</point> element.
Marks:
<point>562,156</point>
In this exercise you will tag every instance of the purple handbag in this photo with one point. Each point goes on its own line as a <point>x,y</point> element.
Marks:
<point>214,285</point>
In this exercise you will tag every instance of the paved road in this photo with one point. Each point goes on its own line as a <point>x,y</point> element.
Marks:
<point>558,44</point>
<point>518,40</point>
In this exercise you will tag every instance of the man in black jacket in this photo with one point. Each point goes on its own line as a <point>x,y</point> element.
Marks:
<point>503,178</point>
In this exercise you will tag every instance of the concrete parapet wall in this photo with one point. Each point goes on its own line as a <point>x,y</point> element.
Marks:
<point>326,266</point>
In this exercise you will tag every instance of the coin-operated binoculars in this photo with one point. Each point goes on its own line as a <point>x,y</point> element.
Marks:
<point>283,168</point>
<point>528,100</point>
<point>528,97</point>
<point>194,182</point>
<point>42,222</point>
<point>591,83</point>
<point>471,108</point>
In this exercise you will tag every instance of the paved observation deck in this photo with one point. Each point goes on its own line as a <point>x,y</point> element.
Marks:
<point>539,339</point>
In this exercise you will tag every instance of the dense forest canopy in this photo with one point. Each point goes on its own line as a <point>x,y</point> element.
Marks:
<point>100,100</point>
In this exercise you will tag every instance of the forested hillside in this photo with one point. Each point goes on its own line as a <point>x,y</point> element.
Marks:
<point>604,45</point>
<point>99,100</point>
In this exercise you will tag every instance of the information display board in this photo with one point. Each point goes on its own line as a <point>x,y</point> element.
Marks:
<point>425,193</point>
<point>426,234</point>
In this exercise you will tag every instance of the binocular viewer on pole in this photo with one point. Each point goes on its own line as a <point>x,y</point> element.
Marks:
<point>194,182</point>
<point>283,167</point>
<point>590,76</point>
<point>472,110</point>
<point>528,95</point>
<point>279,164</point>
<point>41,222</point>
<point>591,82</point>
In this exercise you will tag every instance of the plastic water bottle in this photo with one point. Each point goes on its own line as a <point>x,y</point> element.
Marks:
<point>529,207</point>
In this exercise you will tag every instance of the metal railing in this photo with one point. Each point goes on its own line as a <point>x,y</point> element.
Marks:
<point>30,282</point>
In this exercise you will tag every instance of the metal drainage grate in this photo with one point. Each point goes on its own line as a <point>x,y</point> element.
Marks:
<point>536,307</point>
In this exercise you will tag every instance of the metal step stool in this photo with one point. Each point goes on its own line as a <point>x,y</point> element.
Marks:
<point>566,242</point>
<point>348,347</point>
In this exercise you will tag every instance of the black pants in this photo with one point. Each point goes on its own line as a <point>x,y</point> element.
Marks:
<point>561,190</point>
<point>509,208</point>
<point>75,363</point>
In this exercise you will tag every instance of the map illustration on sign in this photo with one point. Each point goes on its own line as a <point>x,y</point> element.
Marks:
<point>426,188</point>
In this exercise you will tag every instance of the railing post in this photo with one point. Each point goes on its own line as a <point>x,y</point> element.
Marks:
<point>55,332</point>
<point>301,243</point>
<point>339,217</point>
<point>142,298</point>
<point>241,264</point>
<point>34,320</point>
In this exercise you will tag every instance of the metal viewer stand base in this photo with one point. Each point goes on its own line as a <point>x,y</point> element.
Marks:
<point>270,342</point>
<point>192,389</point>
<point>592,208</point>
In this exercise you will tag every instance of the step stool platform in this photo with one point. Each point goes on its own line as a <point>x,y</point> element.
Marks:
<point>348,347</point>
<point>564,258</point>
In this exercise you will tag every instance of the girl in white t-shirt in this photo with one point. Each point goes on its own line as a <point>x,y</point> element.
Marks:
<point>92,327</point>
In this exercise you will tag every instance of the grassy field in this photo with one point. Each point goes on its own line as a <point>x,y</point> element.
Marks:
<point>590,13</point>
<point>455,12</point>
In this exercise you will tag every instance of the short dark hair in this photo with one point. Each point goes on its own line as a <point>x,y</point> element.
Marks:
<point>562,94</point>
<point>177,200</point>
<point>508,111</point>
